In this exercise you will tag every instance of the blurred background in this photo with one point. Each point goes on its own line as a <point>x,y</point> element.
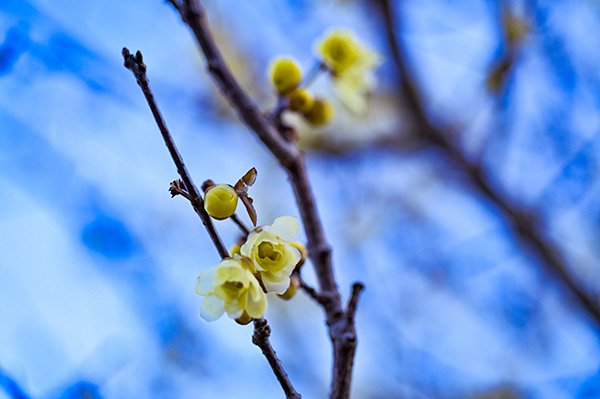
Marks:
<point>98,263</point>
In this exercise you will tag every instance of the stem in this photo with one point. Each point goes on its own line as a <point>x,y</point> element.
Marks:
<point>260,338</point>
<point>261,327</point>
<point>138,68</point>
<point>312,74</point>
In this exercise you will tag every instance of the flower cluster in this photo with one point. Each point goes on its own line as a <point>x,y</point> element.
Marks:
<point>350,65</point>
<point>286,77</point>
<point>263,263</point>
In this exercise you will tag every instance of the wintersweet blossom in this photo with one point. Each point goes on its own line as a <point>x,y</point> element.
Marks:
<point>352,67</point>
<point>231,287</point>
<point>273,256</point>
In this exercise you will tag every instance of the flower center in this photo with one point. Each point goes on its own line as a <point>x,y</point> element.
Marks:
<point>266,250</point>
<point>232,288</point>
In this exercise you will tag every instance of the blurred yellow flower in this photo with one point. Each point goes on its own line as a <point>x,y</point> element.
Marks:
<point>271,253</point>
<point>231,287</point>
<point>352,68</point>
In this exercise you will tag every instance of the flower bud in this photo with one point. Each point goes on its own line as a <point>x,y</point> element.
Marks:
<point>220,201</point>
<point>320,113</point>
<point>301,100</point>
<point>291,291</point>
<point>285,75</point>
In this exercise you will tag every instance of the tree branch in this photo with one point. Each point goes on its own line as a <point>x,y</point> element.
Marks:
<point>526,227</point>
<point>261,328</point>
<point>138,68</point>
<point>341,332</point>
<point>260,338</point>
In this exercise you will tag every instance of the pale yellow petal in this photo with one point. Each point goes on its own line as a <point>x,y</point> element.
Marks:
<point>234,309</point>
<point>204,282</point>
<point>274,283</point>
<point>286,227</point>
<point>352,98</point>
<point>257,305</point>
<point>211,308</point>
<point>246,249</point>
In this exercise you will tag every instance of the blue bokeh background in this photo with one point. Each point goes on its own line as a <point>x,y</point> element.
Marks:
<point>98,263</point>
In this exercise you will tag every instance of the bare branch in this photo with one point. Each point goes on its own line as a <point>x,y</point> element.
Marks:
<point>136,65</point>
<point>342,332</point>
<point>310,291</point>
<point>260,338</point>
<point>526,226</point>
<point>194,16</point>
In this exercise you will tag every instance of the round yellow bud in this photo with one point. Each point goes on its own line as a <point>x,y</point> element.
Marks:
<point>220,201</point>
<point>320,113</point>
<point>301,100</point>
<point>285,75</point>
<point>291,291</point>
<point>339,51</point>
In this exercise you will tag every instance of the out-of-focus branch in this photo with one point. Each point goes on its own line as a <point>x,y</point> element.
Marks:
<point>342,334</point>
<point>261,328</point>
<point>194,16</point>
<point>260,338</point>
<point>136,65</point>
<point>525,225</point>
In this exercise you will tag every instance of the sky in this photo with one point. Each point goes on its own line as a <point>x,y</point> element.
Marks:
<point>98,263</point>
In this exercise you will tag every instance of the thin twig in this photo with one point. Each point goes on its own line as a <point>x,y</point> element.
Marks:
<point>260,338</point>
<point>310,291</point>
<point>136,65</point>
<point>312,74</point>
<point>525,225</point>
<point>262,329</point>
<point>236,219</point>
<point>357,288</point>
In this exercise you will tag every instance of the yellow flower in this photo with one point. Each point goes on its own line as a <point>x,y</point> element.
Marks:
<point>272,255</point>
<point>231,287</point>
<point>285,74</point>
<point>352,68</point>
<point>339,50</point>
<point>220,201</point>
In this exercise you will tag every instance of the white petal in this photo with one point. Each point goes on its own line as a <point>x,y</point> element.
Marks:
<point>204,282</point>
<point>257,306</point>
<point>350,96</point>
<point>295,256</point>
<point>234,309</point>
<point>274,284</point>
<point>212,308</point>
<point>246,248</point>
<point>285,227</point>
